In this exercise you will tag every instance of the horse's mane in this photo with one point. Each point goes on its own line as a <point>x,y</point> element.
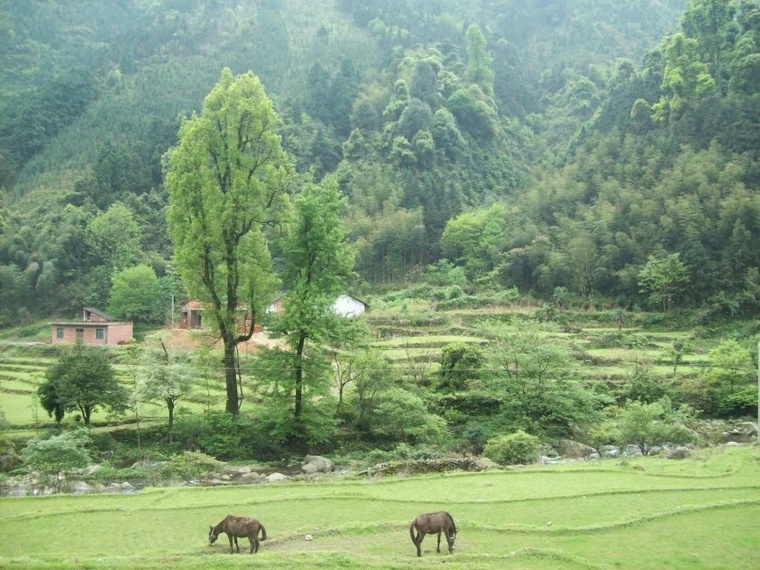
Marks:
<point>453,524</point>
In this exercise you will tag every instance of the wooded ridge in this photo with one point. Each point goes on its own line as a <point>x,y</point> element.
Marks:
<point>587,152</point>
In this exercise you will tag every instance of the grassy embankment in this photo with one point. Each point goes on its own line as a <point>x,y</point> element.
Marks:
<point>698,513</point>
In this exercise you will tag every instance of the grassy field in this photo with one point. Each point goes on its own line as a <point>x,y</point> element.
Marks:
<point>698,513</point>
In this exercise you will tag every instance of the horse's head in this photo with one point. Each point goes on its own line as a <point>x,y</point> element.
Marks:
<point>212,536</point>
<point>451,536</point>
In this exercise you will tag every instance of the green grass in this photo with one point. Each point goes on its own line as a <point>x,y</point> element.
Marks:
<point>643,513</point>
<point>425,341</point>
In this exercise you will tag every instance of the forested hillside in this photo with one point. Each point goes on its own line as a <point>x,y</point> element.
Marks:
<point>600,150</point>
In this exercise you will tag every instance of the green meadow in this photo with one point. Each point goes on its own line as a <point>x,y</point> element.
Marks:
<point>697,513</point>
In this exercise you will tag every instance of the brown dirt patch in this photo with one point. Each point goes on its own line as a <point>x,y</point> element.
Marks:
<point>189,339</point>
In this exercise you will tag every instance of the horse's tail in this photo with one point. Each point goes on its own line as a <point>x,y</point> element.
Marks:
<point>263,532</point>
<point>411,531</point>
<point>453,524</point>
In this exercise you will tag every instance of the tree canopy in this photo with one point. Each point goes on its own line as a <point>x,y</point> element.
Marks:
<point>82,379</point>
<point>227,180</point>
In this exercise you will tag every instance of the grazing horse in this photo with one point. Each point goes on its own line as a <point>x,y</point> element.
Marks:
<point>238,526</point>
<point>433,523</point>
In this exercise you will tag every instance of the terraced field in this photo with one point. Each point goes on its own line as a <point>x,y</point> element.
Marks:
<point>412,344</point>
<point>645,513</point>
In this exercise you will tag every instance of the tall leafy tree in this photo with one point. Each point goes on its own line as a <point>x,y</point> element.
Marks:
<point>663,279</point>
<point>686,78</point>
<point>136,294</point>
<point>82,379</point>
<point>479,69</point>
<point>319,262</point>
<point>164,377</point>
<point>227,179</point>
<point>707,21</point>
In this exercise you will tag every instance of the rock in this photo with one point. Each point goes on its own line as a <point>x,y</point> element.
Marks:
<point>679,453</point>
<point>250,476</point>
<point>274,477</point>
<point>610,451</point>
<point>81,488</point>
<point>237,470</point>
<point>317,463</point>
<point>747,429</point>
<point>574,449</point>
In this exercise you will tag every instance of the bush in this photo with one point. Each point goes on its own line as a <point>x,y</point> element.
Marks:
<point>512,449</point>
<point>217,434</point>
<point>190,465</point>
<point>739,404</point>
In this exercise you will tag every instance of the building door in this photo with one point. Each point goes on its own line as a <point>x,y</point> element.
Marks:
<point>80,336</point>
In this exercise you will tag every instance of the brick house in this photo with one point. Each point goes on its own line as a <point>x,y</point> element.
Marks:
<point>191,317</point>
<point>95,329</point>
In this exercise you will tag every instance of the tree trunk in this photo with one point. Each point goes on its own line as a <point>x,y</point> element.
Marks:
<point>299,377</point>
<point>170,406</point>
<point>86,413</point>
<point>230,376</point>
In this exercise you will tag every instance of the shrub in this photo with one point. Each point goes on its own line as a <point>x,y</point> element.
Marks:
<point>738,404</point>
<point>190,465</point>
<point>515,448</point>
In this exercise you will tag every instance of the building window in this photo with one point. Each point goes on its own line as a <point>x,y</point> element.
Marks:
<point>100,334</point>
<point>59,332</point>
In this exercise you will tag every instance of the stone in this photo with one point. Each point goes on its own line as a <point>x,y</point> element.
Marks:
<point>748,429</point>
<point>574,449</point>
<point>274,477</point>
<point>81,488</point>
<point>250,476</point>
<point>679,453</point>
<point>319,463</point>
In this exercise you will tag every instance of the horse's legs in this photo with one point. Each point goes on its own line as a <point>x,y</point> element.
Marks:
<point>418,541</point>
<point>438,548</point>
<point>254,543</point>
<point>232,550</point>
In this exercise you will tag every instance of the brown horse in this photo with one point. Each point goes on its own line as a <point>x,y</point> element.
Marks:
<point>433,523</point>
<point>236,527</point>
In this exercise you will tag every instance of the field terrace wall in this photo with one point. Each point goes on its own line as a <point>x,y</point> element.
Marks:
<point>95,329</point>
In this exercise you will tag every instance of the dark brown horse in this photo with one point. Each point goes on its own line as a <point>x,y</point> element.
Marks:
<point>433,523</point>
<point>236,527</point>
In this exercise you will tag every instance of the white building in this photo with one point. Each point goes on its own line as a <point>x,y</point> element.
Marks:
<point>344,305</point>
<point>348,306</point>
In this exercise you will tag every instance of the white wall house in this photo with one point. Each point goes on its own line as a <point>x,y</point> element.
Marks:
<point>344,305</point>
<point>348,306</point>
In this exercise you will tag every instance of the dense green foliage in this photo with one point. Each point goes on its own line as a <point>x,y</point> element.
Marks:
<point>227,180</point>
<point>424,110</point>
<point>586,154</point>
<point>82,379</point>
<point>58,455</point>
<point>513,448</point>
